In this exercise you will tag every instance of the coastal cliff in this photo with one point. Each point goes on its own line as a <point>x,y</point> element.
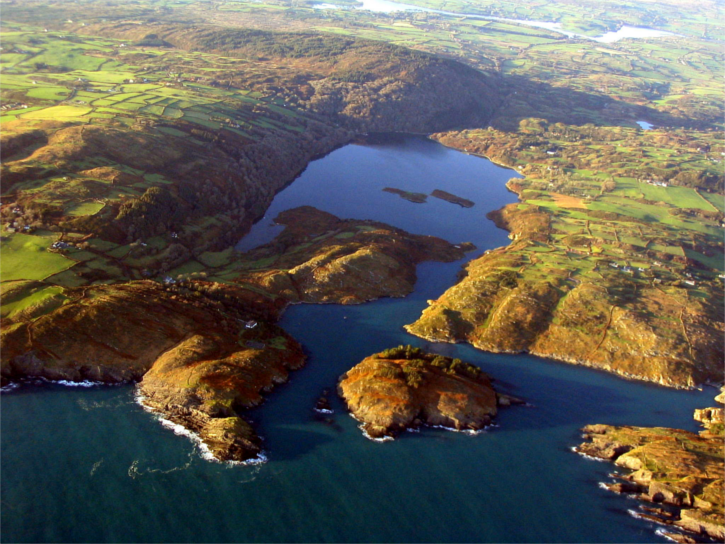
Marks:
<point>204,388</point>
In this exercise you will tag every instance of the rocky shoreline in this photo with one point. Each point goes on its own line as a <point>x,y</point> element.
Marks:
<point>204,352</point>
<point>678,475</point>
<point>508,301</point>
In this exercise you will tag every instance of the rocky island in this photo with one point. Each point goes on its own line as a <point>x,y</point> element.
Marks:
<point>416,198</point>
<point>404,387</point>
<point>678,473</point>
<point>453,199</point>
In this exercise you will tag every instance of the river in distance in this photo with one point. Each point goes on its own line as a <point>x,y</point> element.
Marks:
<point>89,465</point>
<point>625,31</point>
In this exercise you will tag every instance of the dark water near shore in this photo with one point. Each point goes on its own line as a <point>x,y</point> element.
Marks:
<point>90,465</point>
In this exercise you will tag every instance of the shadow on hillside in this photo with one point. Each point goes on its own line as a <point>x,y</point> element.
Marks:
<point>523,98</point>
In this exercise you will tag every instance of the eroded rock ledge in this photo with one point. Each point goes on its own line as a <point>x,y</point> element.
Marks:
<point>404,387</point>
<point>679,472</point>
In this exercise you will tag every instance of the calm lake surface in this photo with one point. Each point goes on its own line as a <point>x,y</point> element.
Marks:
<point>88,464</point>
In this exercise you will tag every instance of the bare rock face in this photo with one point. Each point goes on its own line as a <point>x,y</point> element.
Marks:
<point>404,387</point>
<point>710,416</point>
<point>721,397</point>
<point>680,469</point>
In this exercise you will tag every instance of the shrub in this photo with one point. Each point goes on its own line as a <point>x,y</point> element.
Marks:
<point>387,372</point>
<point>509,279</point>
<point>413,378</point>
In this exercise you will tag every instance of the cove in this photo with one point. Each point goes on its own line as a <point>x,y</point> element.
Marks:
<point>88,464</point>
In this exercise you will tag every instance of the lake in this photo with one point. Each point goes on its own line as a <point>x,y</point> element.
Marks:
<point>88,464</point>
<point>626,31</point>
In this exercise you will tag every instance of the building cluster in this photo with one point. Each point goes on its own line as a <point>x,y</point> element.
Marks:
<point>14,106</point>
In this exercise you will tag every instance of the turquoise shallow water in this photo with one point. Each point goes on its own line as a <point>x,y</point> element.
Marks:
<point>89,465</point>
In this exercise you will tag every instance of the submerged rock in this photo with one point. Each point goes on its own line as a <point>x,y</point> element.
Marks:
<point>404,387</point>
<point>323,405</point>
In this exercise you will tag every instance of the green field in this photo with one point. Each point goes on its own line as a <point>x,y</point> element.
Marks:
<point>56,112</point>
<point>26,257</point>
<point>84,208</point>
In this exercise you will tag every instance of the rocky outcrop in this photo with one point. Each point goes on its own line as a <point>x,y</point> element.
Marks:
<point>403,388</point>
<point>710,416</point>
<point>679,470</point>
<point>203,387</point>
<point>320,258</point>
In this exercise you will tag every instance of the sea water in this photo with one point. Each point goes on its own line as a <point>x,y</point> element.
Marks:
<point>89,464</point>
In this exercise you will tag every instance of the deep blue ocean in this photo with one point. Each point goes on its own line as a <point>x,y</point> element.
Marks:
<point>89,465</point>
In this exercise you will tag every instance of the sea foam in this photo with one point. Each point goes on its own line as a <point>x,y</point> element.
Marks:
<point>9,387</point>
<point>666,534</point>
<point>587,457</point>
<point>204,451</point>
